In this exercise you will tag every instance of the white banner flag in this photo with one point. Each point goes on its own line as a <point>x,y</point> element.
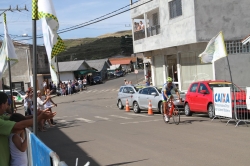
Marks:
<point>215,49</point>
<point>7,51</point>
<point>53,43</point>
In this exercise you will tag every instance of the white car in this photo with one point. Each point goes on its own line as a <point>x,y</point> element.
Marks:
<point>141,100</point>
<point>17,94</point>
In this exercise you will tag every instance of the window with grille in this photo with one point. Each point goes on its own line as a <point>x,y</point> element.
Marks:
<point>235,47</point>
<point>175,8</point>
<point>155,19</point>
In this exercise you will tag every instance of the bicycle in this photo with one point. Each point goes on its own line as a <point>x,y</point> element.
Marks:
<point>173,112</point>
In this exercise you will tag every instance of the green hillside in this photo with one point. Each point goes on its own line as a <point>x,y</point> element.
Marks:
<point>104,46</point>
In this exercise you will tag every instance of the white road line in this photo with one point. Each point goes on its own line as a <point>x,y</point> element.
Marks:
<point>122,117</point>
<point>95,91</point>
<point>98,117</point>
<point>102,90</point>
<point>140,115</point>
<point>113,89</point>
<point>107,90</point>
<point>117,90</point>
<point>85,120</point>
<point>142,121</point>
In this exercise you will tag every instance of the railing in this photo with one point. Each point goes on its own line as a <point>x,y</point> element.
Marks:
<point>139,35</point>
<point>153,30</point>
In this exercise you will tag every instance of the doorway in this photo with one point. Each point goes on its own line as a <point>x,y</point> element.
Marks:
<point>171,67</point>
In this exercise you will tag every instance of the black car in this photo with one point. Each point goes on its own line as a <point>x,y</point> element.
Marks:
<point>97,80</point>
<point>119,74</point>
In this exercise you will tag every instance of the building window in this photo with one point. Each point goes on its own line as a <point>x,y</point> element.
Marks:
<point>155,19</point>
<point>236,47</point>
<point>175,8</point>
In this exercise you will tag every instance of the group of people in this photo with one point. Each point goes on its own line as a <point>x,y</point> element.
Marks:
<point>13,140</point>
<point>139,26</point>
<point>127,82</point>
<point>72,86</point>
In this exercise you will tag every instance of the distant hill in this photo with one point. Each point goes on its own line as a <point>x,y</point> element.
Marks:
<point>103,46</point>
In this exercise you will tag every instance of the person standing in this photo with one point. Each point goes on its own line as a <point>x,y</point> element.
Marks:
<point>18,143</point>
<point>44,85</point>
<point>142,26</point>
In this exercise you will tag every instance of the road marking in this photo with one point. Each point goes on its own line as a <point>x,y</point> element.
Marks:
<point>117,90</point>
<point>102,90</point>
<point>85,120</point>
<point>98,117</point>
<point>95,91</point>
<point>122,117</point>
<point>113,89</point>
<point>140,115</point>
<point>142,121</point>
<point>107,90</point>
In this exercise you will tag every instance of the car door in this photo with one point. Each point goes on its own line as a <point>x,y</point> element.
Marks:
<point>124,95</point>
<point>154,99</point>
<point>130,95</point>
<point>191,96</point>
<point>202,99</point>
<point>142,98</point>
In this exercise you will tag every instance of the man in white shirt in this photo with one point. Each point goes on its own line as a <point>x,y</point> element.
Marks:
<point>141,25</point>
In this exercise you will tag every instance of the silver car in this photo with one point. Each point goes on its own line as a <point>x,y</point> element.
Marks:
<point>141,100</point>
<point>127,92</point>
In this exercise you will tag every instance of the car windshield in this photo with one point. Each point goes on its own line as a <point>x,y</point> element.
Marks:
<point>159,89</point>
<point>138,88</point>
<point>21,92</point>
<point>224,84</point>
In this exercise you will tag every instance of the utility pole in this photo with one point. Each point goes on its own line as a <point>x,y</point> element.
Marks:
<point>13,9</point>
<point>10,82</point>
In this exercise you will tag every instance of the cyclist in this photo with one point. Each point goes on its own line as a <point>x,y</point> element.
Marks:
<point>166,95</point>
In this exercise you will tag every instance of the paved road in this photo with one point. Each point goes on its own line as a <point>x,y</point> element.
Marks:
<point>90,127</point>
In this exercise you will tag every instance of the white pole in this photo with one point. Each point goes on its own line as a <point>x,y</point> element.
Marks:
<point>213,70</point>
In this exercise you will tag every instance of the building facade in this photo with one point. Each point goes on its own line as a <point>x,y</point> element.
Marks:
<point>177,31</point>
<point>22,71</point>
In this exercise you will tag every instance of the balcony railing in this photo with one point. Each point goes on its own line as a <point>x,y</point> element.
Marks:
<point>153,30</point>
<point>139,35</point>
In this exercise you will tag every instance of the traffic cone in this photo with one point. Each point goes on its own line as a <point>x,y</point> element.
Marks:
<point>127,106</point>
<point>150,111</point>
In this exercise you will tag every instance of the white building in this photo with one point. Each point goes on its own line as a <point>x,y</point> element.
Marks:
<point>177,31</point>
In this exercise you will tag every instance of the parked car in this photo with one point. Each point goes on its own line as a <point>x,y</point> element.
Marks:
<point>199,97</point>
<point>17,94</point>
<point>97,80</point>
<point>141,100</point>
<point>119,74</point>
<point>127,92</point>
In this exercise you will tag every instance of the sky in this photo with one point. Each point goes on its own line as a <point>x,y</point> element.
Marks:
<point>69,13</point>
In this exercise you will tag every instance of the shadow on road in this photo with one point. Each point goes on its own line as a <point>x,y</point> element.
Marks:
<point>66,149</point>
<point>125,163</point>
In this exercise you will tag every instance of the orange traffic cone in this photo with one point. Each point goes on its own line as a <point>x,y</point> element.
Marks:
<point>150,111</point>
<point>127,106</point>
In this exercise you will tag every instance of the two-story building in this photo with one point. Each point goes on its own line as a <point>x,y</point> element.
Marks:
<point>177,31</point>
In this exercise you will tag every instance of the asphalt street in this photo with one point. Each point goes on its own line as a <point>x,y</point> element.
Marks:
<point>91,128</point>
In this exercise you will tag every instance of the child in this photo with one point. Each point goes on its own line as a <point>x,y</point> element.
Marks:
<point>18,144</point>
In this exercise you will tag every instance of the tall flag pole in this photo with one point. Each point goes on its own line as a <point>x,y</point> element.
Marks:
<point>52,41</point>
<point>215,50</point>
<point>34,18</point>
<point>8,56</point>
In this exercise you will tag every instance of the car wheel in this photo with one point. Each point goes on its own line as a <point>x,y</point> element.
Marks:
<point>161,108</point>
<point>136,107</point>
<point>119,104</point>
<point>187,110</point>
<point>210,111</point>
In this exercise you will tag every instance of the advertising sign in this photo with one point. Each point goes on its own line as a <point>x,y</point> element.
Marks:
<point>223,102</point>
<point>248,98</point>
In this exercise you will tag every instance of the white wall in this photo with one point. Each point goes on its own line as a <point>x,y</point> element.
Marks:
<point>65,76</point>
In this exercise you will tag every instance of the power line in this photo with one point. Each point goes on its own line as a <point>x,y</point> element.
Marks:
<point>77,26</point>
